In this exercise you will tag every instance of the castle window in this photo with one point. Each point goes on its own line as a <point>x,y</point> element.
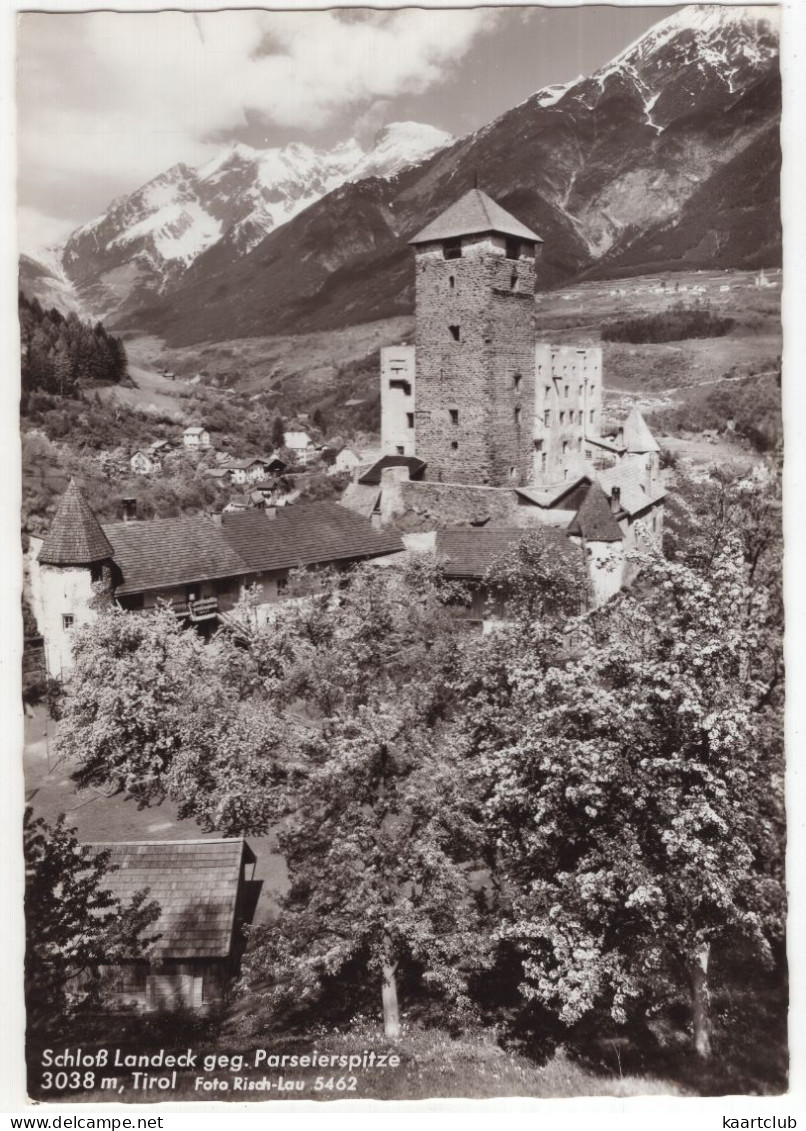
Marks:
<point>409,419</point>
<point>548,390</point>
<point>562,418</point>
<point>455,445</point>
<point>592,415</point>
<point>581,389</point>
<point>547,418</point>
<point>513,471</point>
<point>588,453</point>
<point>566,390</point>
<point>400,450</point>
<point>538,445</point>
<point>513,282</point>
<point>513,248</point>
<point>68,620</point>
<point>397,383</point>
<point>454,414</point>
<point>565,447</point>
<point>454,332</point>
<point>579,444</point>
<point>452,282</point>
<point>516,382</point>
<point>517,417</point>
<point>452,249</point>
<point>543,461</point>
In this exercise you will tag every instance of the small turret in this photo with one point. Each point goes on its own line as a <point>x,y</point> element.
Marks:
<point>76,537</point>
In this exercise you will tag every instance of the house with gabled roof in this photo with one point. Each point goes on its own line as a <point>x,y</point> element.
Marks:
<point>196,438</point>
<point>200,564</point>
<point>206,893</point>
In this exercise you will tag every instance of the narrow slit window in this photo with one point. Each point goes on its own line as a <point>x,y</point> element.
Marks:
<point>452,282</point>
<point>517,417</point>
<point>454,413</point>
<point>454,445</point>
<point>410,419</point>
<point>516,382</point>
<point>454,332</point>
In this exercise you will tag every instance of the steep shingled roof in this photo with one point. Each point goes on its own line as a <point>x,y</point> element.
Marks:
<point>637,437</point>
<point>472,214</point>
<point>196,884</point>
<point>594,520</point>
<point>471,551</point>
<point>636,494</point>
<point>167,552</point>
<point>305,535</point>
<point>75,537</point>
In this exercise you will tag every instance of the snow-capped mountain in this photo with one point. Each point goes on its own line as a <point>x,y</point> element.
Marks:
<point>666,157</point>
<point>147,240</point>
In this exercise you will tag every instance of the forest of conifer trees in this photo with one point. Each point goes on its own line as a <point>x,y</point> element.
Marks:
<point>60,353</point>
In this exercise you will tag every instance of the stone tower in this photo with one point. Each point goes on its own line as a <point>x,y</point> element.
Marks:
<point>75,554</point>
<point>475,351</point>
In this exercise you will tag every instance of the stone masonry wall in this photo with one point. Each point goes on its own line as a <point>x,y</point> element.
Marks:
<point>468,389</point>
<point>568,407</point>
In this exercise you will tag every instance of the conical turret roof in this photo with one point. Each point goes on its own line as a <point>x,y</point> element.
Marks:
<point>76,537</point>
<point>637,437</point>
<point>473,213</point>
<point>594,520</point>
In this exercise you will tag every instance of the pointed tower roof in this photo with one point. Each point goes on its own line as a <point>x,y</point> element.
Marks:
<point>473,213</point>
<point>594,520</point>
<point>76,537</point>
<point>637,437</point>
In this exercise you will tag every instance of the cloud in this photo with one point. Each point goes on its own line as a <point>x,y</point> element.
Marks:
<point>118,97</point>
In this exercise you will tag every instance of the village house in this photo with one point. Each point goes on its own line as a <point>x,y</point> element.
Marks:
<point>301,444</point>
<point>144,462</point>
<point>246,471</point>
<point>206,894</point>
<point>201,564</point>
<point>483,424</point>
<point>196,438</point>
<point>346,460</point>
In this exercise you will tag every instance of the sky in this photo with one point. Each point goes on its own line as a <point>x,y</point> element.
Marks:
<point>108,100</point>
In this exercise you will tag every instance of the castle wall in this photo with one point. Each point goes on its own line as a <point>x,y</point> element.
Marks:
<point>475,393</point>
<point>567,407</point>
<point>398,400</point>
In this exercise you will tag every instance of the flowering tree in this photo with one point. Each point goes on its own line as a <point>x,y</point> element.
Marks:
<point>635,811</point>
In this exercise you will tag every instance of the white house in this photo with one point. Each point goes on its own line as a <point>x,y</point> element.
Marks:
<point>346,460</point>
<point>246,471</point>
<point>301,444</point>
<point>196,438</point>
<point>144,463</point>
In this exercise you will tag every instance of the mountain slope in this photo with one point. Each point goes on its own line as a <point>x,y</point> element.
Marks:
<point>628,168</point>
<point>145,242</point>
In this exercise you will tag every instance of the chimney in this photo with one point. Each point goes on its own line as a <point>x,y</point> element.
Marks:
<point>271,510</point>
<point>129,509</point>
<point>615,499</point>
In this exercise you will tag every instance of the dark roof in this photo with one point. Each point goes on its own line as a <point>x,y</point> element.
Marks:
<point>631,479</point>
<point>303,535</point>
<point>471,551</point>
<point>372,477</point>
<point>196,884</point>
<point>594,520</point>
<point>171,551</point>
<point>75,537</point>
<point>472,214</point>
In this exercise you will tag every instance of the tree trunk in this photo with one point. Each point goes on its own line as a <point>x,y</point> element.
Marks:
<point>701,1002</point>
<point>391,1014</point>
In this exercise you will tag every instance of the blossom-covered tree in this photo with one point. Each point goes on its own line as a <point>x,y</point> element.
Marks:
<point>636,811</point>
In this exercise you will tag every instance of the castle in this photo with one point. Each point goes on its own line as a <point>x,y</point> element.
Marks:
<point>483,425</point>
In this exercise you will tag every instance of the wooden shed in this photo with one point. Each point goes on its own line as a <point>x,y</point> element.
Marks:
<point>205,898</point>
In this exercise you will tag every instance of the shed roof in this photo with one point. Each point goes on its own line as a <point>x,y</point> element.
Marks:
<point>594,520</point>
<point>470,551</point>
<point>75,536</point>
<point>194,431</point>
<point>372,477</point>
<point>474,213</point>
<point>196,884</point>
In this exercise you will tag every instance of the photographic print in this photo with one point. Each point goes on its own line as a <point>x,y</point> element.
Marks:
<point>402,533</point>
